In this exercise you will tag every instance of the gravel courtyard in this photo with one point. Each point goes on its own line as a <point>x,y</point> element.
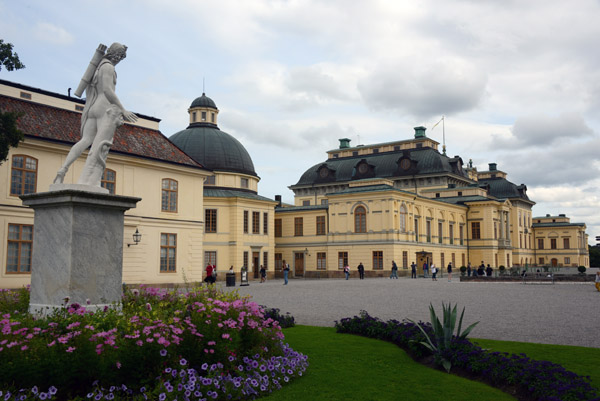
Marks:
<point>543,313</point>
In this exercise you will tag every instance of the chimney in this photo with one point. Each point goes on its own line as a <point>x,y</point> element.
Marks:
<point>344,143</point>
<point>420,132</point>
<point>278,199</point>
<point>492,166</point>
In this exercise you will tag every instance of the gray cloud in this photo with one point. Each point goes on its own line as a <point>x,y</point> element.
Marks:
<point>540,130</point>
<point>314,83</point>
<point>572,164</point>
<point>426,90</point>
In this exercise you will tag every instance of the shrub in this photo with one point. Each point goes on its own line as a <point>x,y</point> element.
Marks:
<point>502,270</point>
<point>444,333</point>
<point>284,321</point>
<point>463,270</point>
<point>581,269</point>
<point>221,340</point>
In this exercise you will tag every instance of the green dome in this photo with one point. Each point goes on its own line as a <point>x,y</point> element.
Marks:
<point>213,148</point>
<point>203,101</point>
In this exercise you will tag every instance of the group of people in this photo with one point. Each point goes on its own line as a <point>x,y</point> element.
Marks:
<point>482,270</point>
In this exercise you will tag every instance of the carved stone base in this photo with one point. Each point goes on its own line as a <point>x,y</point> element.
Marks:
<point>77,248</point>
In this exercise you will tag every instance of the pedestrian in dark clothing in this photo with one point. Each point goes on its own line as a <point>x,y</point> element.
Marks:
<point>488,271</point>
<point>413,271</point>
<point>449,271</point>
<point>361,271</point>
<point>469,270</point>
<point>394,270</point>
<point>263,274</point>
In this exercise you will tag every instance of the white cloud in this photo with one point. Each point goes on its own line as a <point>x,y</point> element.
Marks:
<point>51,33</point>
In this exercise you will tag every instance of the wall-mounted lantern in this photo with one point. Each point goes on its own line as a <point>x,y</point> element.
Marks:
<point>137,237</point>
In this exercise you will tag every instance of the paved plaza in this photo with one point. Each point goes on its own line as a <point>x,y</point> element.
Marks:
<point>542,313</point>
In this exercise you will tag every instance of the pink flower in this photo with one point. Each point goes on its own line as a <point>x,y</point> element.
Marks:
<point>148,306</point>
<point>52,343</point>
<point>23,348</point>
<point>118,365</point>
<point>71,349</point>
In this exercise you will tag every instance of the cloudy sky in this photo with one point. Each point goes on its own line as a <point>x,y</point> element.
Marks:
<point>517,81</point>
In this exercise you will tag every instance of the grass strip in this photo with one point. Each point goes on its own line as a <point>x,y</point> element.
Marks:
<point>348,367</point>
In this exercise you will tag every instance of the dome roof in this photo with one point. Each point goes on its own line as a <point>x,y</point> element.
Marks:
<point>203,101</point>
<point>213,148</point>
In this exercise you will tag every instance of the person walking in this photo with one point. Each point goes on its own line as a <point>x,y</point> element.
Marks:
<point>361,271</point>
<point>433,272</point>
<point>413,270</point>
<point>347,271</point>
<point>449,271</point>
<point>263,274</point>
<point>394,270</point>
<point>286,271</point>
<point>598,280</point>
<point>209,274</point>
<point>425,270</point>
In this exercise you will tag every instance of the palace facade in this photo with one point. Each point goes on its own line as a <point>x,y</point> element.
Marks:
<point>401,201</point>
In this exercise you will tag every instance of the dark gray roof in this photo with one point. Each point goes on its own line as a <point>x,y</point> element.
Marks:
<point>460,200</point>
<point>556,224</point>
<point>301,208</point>
<point>369,188</point>
<point>503,189</point>
<point>203,101</point>
<point>233,193</point>
<point>214,149</point>
<point>422,161</point>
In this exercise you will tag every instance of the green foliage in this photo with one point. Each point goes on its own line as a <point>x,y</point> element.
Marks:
<point>443,333</point>
<point>594,255</point>
<point>8,58</point>
<point>581,269</point>
<point>463,270</point>
<point>10,135</point>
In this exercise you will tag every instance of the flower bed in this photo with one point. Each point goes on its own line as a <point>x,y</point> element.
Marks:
<point>531,379</point>
<point>204,344</point>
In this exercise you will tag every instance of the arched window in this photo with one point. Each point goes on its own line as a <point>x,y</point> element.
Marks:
<point>23,175</point>
<point>169,195</point>
<point>360,220</point>
<point>402,218</point>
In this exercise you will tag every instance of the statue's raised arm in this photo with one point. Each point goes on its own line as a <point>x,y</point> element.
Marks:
<point>102,115</point>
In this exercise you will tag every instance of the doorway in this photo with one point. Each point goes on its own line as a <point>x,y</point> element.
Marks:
<point>299,264</point>
<point>255,264</point>
<point>422,258</point>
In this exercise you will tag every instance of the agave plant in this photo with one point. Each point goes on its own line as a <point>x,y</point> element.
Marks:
<point>444,333</point>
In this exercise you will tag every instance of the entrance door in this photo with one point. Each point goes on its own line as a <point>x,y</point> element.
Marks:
<point>554,262</point>
<point>255,263</point>
<point>299,264</point>
<point>422,258</point>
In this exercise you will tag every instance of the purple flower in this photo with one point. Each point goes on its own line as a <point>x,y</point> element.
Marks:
<point>182,362</point>
<point>163,352</point>
<point>162,397</point>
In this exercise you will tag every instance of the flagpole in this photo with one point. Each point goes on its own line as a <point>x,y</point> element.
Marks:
<point>444,135</point>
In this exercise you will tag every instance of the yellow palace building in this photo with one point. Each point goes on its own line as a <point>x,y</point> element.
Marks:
<point>402,200</point>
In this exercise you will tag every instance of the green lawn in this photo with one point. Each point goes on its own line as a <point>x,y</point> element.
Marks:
<point>348,367</point>
<point>581,360</point>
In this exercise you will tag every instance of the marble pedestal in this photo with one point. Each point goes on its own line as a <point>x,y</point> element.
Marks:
<point>77,248</point>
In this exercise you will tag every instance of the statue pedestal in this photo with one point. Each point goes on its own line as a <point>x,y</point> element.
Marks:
<point>77,249</point>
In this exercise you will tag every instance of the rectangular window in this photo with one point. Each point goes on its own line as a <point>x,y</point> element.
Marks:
<point>377,260</point>
<point>540,243</point>
<point>108,181</point>
<point>405,259</point>
<point>210,180</point>
<point>23,175</point>
<point>169,195</point>
<point>453,260</point>
<point>298,227</point>
<point>203,114</point>
<point>463,259</point>
<point>20,244</point>
<point>278,262</point>
<point>321,261</point>
<point>495,230</point>
<point>244,183</point>
<point>210,257</point>
<point>245,260</point>
<point>324,201</point>
<point>552,243</point>
<point>567,261</point>
<point>320,225</point>
<point>440,232</point>
<point>417,230</point>
<point>460,234</point>
<point>305,203</point>
<point>266,260</point>
<point>540,261</point>
<point>566,243</point>
<point>265,223</point>
<point>255,222</point>
<point>278,229</point>
<point>245,222</point>
<point>342,259</point>
<point>442,261</point>
<point>475,230</point>
<point>451,233</point>
<point>428,230</point>
<point>210,220</point>
<point>168,253</point>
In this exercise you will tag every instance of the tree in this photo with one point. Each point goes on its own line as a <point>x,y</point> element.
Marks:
<point>594,255</point>
<point>8,59</point>
<point>9,133</point>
